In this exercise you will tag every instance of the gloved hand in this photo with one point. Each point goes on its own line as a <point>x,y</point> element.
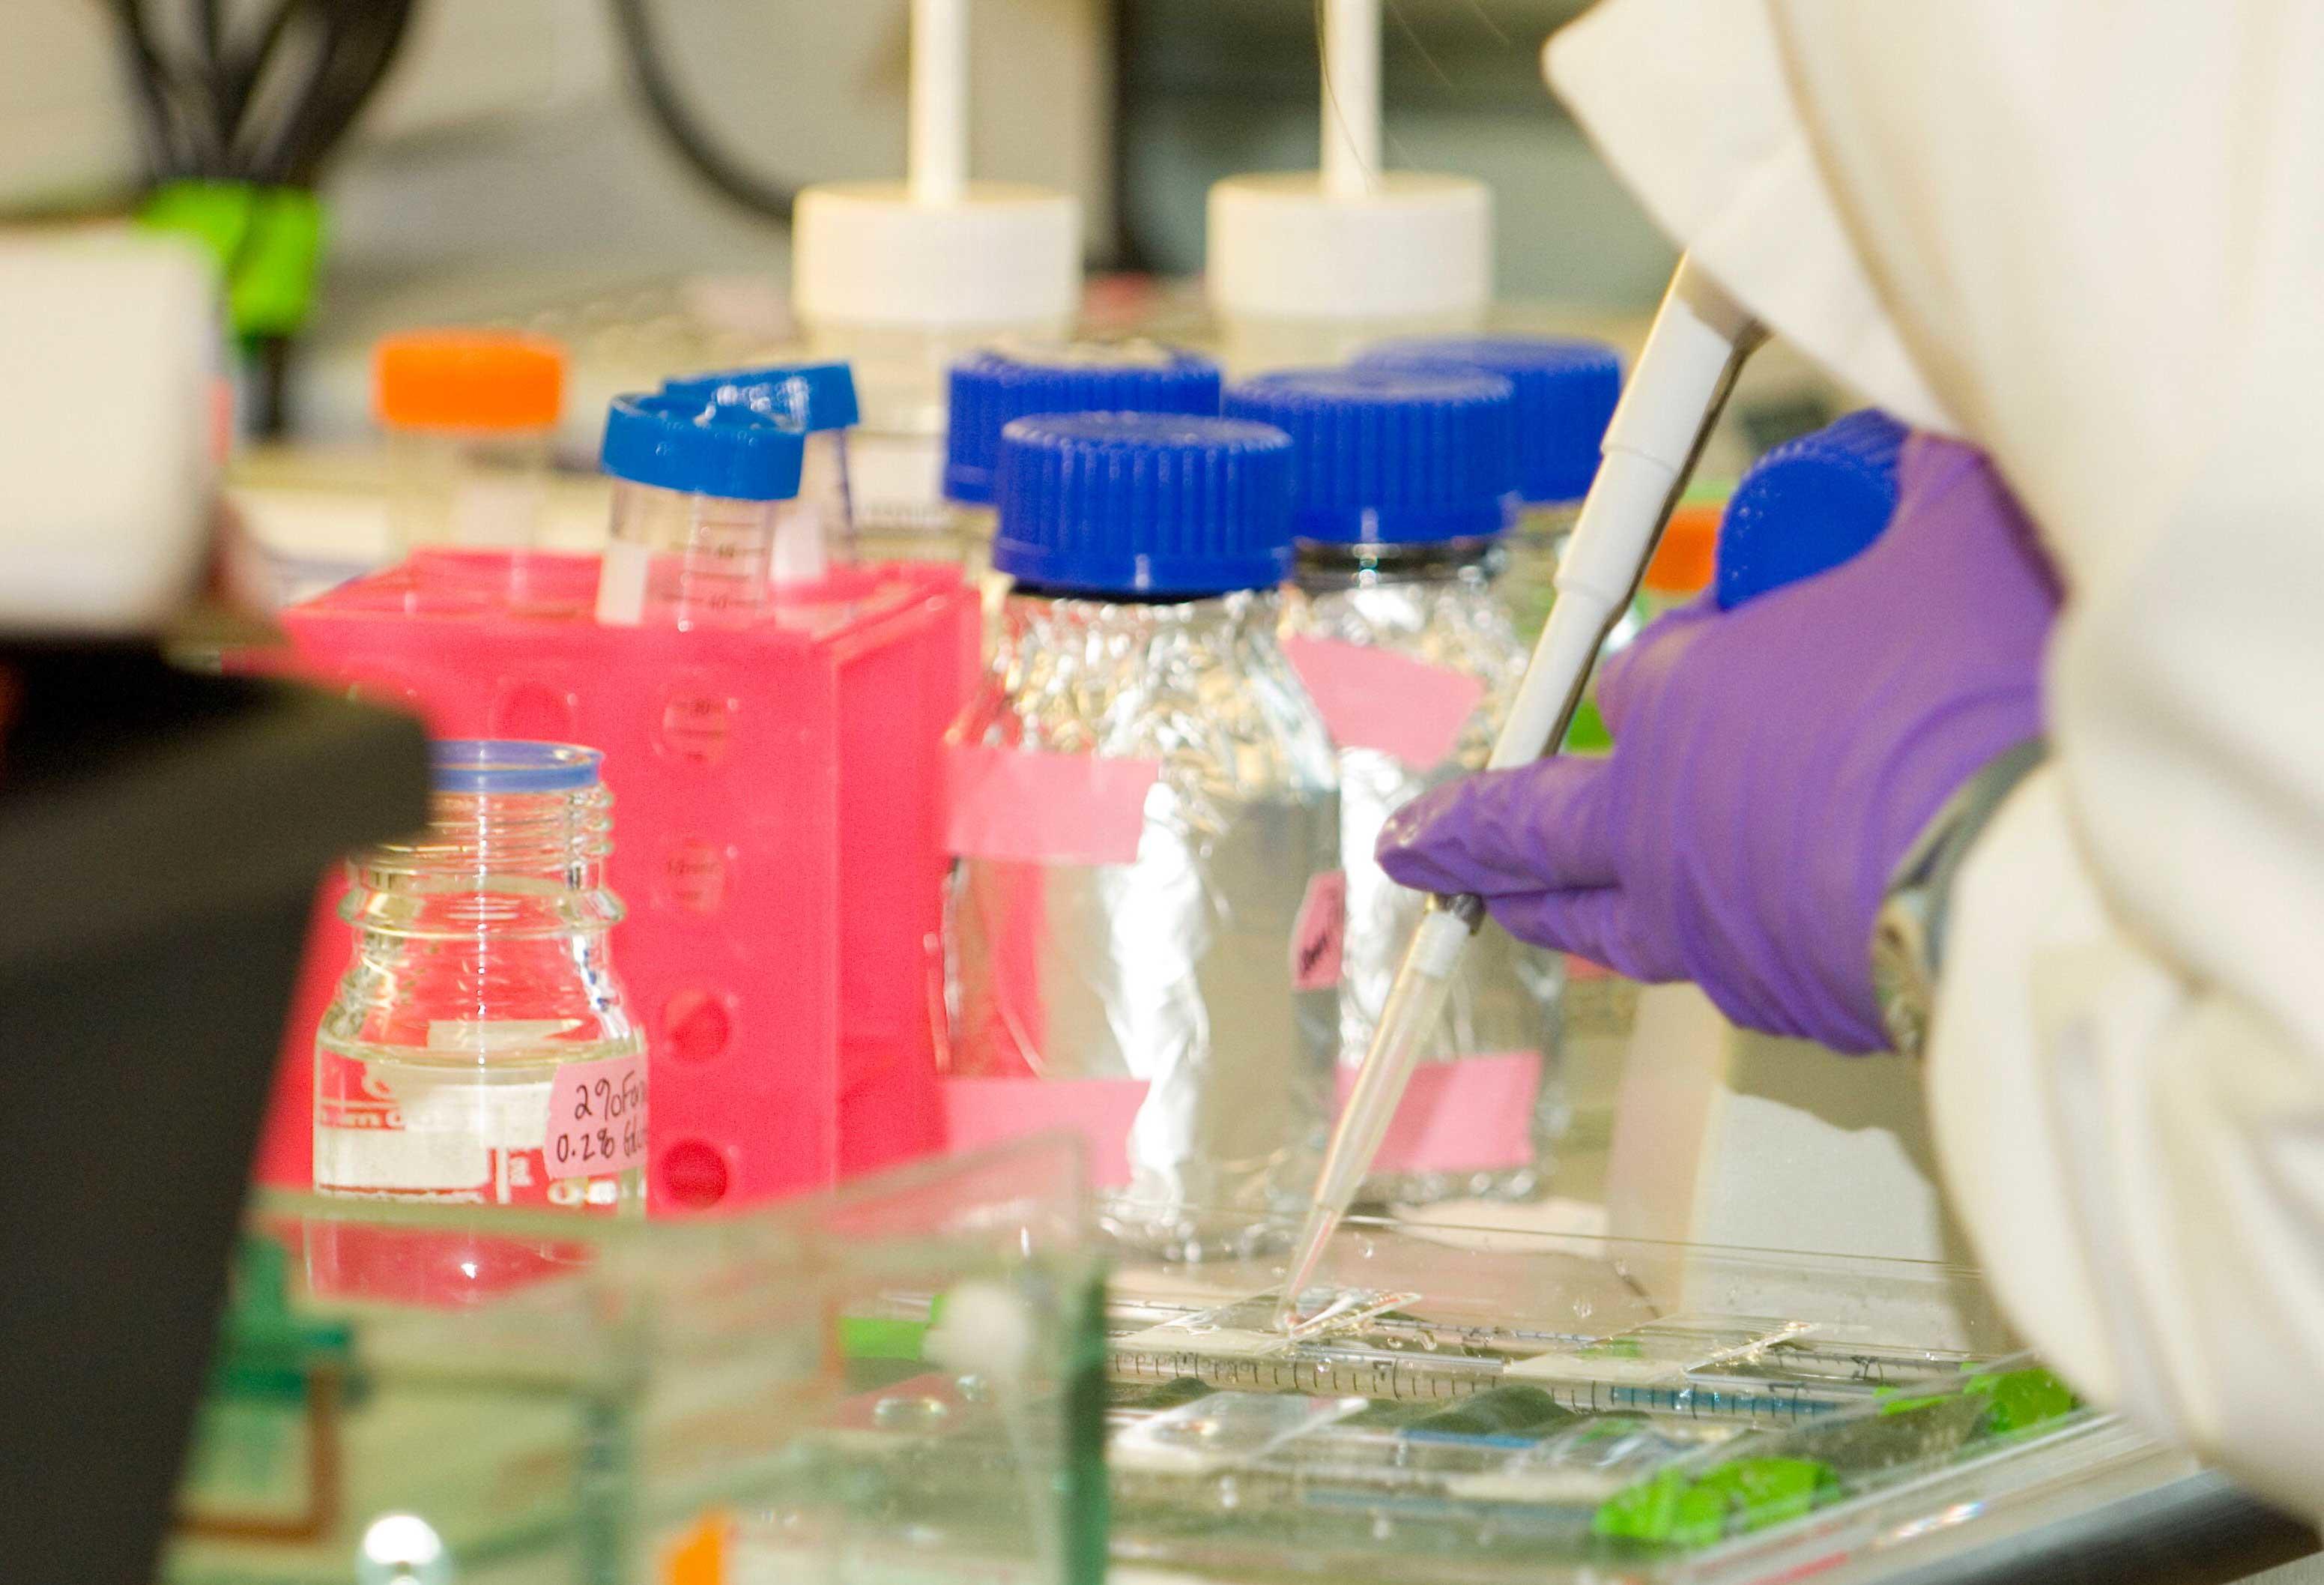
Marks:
<point>1771,765</point>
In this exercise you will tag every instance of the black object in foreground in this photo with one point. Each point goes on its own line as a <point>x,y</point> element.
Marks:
<point>161,835</point>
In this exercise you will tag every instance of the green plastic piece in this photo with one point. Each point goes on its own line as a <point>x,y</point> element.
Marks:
<point>2023,1398</point>
<point>880,1337</point>
<point>1892,1403</point>
<point>1086,1488</point>
<point>1586,733</point>
<point>267,242</point>
<point>1616,1348</point>
<point>1673,1509</point>
<point>266,1351</point>
<point>1769,1491</point>
<point>215,214</point>
<point>1648,1511</point>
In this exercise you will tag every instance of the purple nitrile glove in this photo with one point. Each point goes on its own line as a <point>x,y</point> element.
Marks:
<point>1771,765</point>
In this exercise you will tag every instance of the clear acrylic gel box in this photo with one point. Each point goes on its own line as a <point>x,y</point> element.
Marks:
<point>896,1382</point>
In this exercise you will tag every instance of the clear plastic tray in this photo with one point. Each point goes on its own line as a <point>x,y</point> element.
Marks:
<point>1492,1404</point>
<point>915,1381</point>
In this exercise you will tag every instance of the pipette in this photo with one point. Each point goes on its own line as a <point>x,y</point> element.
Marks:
<point>1697,344</point>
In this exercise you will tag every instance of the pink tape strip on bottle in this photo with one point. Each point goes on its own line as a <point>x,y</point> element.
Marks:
<point>1377,699</point>
<point>1045,808</point>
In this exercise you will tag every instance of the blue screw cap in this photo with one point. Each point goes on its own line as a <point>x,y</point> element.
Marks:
<point>1148,504</point>
<point>677,443</point>
<point>1390,456</point>
<point>510,765</point>
<point>1808,504</point>
<point>1565,387</point>
<point>989,389</point>
<point>811,396</point>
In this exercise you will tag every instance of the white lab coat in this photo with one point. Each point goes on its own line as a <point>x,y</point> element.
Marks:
<point>2089,235</point>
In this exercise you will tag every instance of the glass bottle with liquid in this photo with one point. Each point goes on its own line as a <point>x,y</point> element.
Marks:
<point>470,415</point>
<point>695,527</point>
<point>478,1050</point>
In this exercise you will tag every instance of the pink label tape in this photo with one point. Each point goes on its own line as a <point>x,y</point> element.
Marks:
<point>1319,937</point>
<point>596,1117</point>
<point>1471,1115</point>
<point>1377,699</point>
<point>1045,808</point>
<point>980,1112</point>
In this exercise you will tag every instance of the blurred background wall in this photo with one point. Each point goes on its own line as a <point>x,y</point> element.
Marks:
<point>509,158</point>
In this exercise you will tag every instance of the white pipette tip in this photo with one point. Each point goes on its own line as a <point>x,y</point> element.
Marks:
<point>1321,1219</point>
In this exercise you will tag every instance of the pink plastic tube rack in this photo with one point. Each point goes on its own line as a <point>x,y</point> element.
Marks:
<point>778,840</point>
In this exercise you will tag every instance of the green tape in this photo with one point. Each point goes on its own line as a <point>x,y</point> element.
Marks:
<point>267,242</point>
<point>1586,733</point>
<point>1767,1491</point>
<point>1648,1511</point>
<point>265,1347</point>
<point>1671,1509</point>
<point>215,214</point>
<point>2023,1398</point>
<point>880,1337</point>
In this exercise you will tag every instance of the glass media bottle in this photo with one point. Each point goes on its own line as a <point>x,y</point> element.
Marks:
<point>478,1050</point>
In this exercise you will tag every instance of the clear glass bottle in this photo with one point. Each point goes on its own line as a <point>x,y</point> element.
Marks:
<point>1399,626</point>
<point>693,535</point>
<point>470,416</point>
<point>478,1050</point>
<point>818,526</point>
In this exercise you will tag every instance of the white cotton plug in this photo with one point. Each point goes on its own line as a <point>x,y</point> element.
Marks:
<point>985,1329</point>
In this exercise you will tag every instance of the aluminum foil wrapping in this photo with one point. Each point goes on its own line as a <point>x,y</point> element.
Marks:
<point>1175,969</point>
<point>1505,998</point>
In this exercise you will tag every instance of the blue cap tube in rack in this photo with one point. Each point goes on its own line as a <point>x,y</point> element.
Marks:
<point>818,522</point>
<point>693,528</point>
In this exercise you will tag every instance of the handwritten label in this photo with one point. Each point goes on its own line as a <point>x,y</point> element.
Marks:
<point>596,1117</point>
<point>1320,937</point>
